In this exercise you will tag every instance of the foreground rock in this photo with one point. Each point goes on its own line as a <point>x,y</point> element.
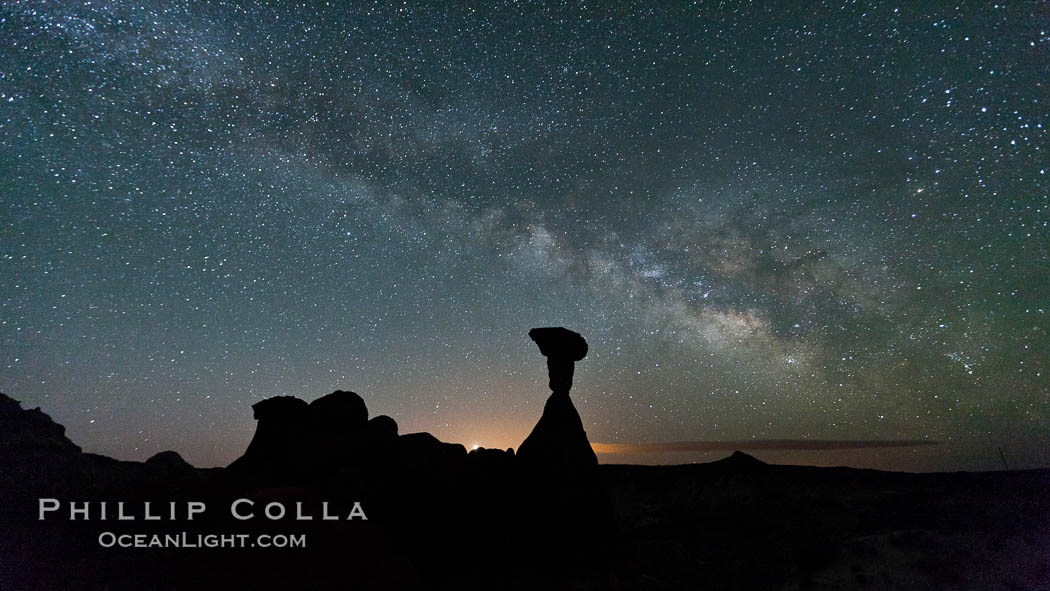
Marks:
<point>567,511</point>
<point>294,441</point>
<point>527,521</point>
<point>31,435</point>
<point>558,443</point>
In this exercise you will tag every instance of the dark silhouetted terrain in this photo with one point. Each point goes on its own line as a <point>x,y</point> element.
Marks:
<point>444,519</point>
<point>548,517</point>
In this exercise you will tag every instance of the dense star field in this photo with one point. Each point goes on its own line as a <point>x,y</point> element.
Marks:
<point>769,223</point>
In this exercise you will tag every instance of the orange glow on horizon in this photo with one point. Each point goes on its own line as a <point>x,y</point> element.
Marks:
<point>771,444</point>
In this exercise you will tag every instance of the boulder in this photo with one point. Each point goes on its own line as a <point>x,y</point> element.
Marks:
<point>559,342</point>
<point>382,429</point>
<point>340,411</point>
<point>337,434</point>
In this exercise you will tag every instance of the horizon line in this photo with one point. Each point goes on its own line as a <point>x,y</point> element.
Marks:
<point>775,444</point>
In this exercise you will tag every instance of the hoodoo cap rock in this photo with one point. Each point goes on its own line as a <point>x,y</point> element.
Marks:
<point>559,343</point>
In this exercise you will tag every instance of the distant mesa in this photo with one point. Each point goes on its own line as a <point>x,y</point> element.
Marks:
<point>168,459</point>
<point>740,461</point>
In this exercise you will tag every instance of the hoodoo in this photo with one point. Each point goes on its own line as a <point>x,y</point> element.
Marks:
<point>558,442</point>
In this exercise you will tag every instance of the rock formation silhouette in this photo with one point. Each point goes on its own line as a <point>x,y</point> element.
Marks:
<point>29,435</point>
<point>558,443</point>
<point>339,412</point>
<point>337,438</point>
<point>440,518</point>
<point>740,461</point>
<point>382,428</point>
<point>542,514</point>
<point>276,452</point>
<point>296,442</point>
<point>569,516</point>
<point>562,348</point>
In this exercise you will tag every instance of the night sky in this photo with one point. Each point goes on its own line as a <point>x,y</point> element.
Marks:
<point>769,223</point>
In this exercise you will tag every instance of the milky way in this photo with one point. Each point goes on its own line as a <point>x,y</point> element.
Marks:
<point>768,223</point>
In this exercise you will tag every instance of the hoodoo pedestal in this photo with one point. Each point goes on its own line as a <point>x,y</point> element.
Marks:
<point>558,442</point>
